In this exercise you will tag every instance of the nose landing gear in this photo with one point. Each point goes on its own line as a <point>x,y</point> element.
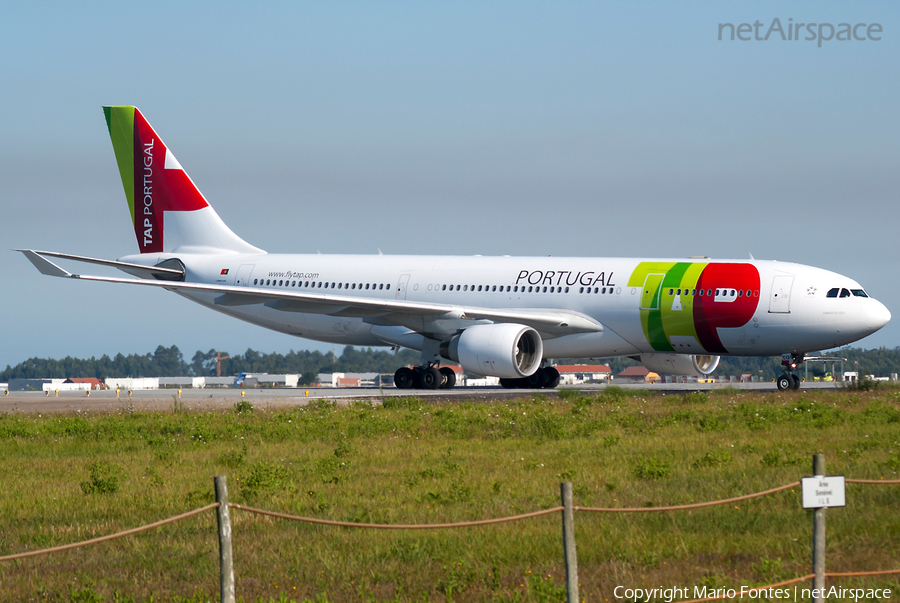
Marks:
<point>789,380</point>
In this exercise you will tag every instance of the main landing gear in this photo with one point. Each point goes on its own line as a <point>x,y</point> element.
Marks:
<point>789,379</point>
<point>543,378</point>
<point>424,377</point>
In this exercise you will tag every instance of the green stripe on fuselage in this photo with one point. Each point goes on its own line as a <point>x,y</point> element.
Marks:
<point>120,123</point>
<point>668,314</point>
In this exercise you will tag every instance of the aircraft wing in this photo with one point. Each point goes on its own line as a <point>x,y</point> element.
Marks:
<point>415,315</point>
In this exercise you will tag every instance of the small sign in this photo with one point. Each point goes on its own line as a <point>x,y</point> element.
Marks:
<point>823,491</point>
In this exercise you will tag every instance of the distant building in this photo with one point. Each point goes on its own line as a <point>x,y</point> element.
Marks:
<point>132,383</point>
<point>93,382</point>
<point>638,374</point>
<point>573,374</point>
<point>24,385</point>
<point>352,380</point>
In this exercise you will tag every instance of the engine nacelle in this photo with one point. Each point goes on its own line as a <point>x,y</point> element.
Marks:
<point>510,351</point>
<point>680,364</point>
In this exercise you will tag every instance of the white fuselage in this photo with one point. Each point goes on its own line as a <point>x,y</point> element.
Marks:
<point>693,306</point>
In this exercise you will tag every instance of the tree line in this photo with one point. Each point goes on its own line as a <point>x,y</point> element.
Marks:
<point>170,362</point>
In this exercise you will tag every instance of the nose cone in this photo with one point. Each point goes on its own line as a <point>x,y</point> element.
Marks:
<point>877,315</point>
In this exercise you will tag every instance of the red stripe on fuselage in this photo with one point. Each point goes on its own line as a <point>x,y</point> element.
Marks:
<point>710,315</point>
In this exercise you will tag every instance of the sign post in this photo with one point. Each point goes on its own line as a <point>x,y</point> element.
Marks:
<point>820,492</point>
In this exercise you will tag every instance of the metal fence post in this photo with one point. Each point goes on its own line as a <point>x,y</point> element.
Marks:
<point>818,560</point>
<point>568,524</point>
<point>226,566</point>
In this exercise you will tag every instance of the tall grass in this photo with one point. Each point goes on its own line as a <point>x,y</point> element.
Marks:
<point>65,478</point>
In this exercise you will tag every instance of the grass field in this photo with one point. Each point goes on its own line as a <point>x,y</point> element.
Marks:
<point>65,478</point>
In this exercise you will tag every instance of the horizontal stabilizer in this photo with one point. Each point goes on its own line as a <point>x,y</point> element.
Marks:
<point>43,264</point>
<point>146,271</point>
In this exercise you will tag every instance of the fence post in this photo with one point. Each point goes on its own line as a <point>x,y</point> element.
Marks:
<point>568,524</point>
<point>818,560</point>
<point>226,567</point>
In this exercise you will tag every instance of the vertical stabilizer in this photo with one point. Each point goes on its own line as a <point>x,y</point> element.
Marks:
<point>167,210</point>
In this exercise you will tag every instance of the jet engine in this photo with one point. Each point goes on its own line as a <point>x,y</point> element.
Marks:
<point>500,350</point>
<point>680,364</point>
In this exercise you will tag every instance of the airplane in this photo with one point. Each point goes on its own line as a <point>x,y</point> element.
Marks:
<point>494,316</point>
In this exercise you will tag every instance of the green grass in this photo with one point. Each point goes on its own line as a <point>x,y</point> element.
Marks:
<point>65,478</point>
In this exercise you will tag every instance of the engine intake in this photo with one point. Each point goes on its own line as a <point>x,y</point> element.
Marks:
<point>680,364</point>
<point>510,351</point>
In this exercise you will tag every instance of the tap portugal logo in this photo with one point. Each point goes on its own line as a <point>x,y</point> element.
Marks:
<point>683,300</point>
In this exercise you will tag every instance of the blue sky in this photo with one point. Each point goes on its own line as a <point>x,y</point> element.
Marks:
<point>562,128</point>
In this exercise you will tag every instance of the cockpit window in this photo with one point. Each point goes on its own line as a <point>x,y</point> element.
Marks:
<point>845,293</point>
<point>858,293</point>
<point>833,292</point>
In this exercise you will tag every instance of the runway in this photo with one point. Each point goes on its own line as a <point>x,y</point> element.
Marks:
<point>167,400</point>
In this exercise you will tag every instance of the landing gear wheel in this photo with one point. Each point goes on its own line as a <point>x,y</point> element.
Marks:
<point>784,382</point>
<point>431,378</point>
<point>449,377</point>
<point>506,383</point>
<point>552,377</point>
<point>795,382</point>
<point>404,378</point>
<point>538,379</point>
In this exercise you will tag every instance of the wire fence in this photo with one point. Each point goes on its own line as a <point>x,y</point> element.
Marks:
<point>567,507</point>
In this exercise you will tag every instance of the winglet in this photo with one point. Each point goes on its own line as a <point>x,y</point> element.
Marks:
<point>43,264</point>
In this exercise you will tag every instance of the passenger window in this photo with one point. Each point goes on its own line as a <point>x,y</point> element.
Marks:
<point>254,281</point>
<point>567,289</point>
<point>388,287</point>
<point>529,288</point>
<point>845,293</point>
<point>741,293</point>
<point>381,285</point>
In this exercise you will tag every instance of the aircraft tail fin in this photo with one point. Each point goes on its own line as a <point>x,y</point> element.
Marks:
<point>168,211</point>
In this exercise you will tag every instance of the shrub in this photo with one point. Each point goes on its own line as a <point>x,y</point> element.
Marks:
<point>651,468</point>
<point>104,478</point>
<point>243,406</point>
<point>265,476</point>
<point>714,458</point>
<point>696,398</point>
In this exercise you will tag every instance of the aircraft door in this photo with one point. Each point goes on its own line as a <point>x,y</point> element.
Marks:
<point>780,299</point>
<point>401,286</point>
<point>652,292</point>
<point>243,276</point>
